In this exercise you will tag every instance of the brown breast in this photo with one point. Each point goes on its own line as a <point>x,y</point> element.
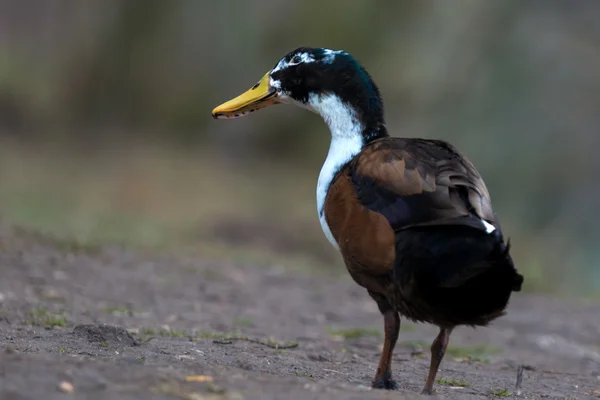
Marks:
<point>365,237</point>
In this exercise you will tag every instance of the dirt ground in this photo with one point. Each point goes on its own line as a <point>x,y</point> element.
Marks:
<point>112,323</point>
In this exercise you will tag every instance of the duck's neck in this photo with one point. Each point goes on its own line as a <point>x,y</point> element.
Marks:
<point>350,132</point>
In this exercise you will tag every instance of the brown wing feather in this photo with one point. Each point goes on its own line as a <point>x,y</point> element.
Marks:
<point>417,181</point>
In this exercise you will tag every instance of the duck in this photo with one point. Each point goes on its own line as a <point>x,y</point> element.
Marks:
<point>412,218</point>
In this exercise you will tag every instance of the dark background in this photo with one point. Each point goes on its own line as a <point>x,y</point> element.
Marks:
<point>106,134</point>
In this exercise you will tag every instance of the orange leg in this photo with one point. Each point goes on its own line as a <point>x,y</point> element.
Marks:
<point>383,377</point>
<point>438,349</point>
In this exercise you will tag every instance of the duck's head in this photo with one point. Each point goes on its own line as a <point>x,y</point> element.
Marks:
<point>329,82</point>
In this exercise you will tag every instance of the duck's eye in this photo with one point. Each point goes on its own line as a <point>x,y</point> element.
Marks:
<point>295,60</point>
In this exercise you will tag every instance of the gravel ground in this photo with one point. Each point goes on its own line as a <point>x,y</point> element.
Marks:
<point>112,323</point>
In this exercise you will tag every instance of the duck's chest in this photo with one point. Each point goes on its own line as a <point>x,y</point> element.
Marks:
<point>364,237</point>
<point>325,178</point>
<point>341,151</point>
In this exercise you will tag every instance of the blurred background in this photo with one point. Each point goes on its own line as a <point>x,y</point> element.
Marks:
<point>106,135</point>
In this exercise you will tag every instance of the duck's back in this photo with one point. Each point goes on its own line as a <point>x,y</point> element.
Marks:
<point>413,218</point>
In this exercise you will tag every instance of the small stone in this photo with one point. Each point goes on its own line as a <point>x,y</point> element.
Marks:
<point>60,275</point>
<point>199,378</point>
<point>310,386</point>
<point>51,294</point>
<point>66,387</point>
<point>171,318</point>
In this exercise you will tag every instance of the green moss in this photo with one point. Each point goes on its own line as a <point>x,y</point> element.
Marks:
<point>243,321</point>
<point>354,333</point>
<point>215,335</point>
<point>173,333</point>
<point>304,374</point>
<point>117,310</point>
<point>478,353</point>
<point>477,350</point>
<point>453,382</point>
<point>42,317</point>
<point>500,392</point>
<point>147,332</point>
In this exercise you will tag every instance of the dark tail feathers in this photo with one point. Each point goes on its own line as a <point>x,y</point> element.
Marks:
<point>518,278</point>
<point>451,255</point>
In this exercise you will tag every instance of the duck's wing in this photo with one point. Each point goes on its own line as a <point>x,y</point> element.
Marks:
<point>416,182</point>
<point>438,206</point>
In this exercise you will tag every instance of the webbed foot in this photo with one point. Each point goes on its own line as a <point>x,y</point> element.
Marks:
<point>385,382</point>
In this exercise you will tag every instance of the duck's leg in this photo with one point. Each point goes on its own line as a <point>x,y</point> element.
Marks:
<point>438,349</point>
<point>391,323</point>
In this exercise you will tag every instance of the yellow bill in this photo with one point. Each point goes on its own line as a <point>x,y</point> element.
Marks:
<point>258,96</point>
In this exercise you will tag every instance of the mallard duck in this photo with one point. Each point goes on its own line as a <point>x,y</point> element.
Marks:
<point>412,218</point>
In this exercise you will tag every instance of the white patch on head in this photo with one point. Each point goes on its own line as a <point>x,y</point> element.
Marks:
<point>299,58</point>
<point>489,228</point>
<point>304,58</point>
<point>329,55</point>
<point>274,84</point>
<point>346,142</point>
<point>295,60</point>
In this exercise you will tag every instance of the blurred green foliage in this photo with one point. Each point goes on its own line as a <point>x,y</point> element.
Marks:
<point>514,84</point>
